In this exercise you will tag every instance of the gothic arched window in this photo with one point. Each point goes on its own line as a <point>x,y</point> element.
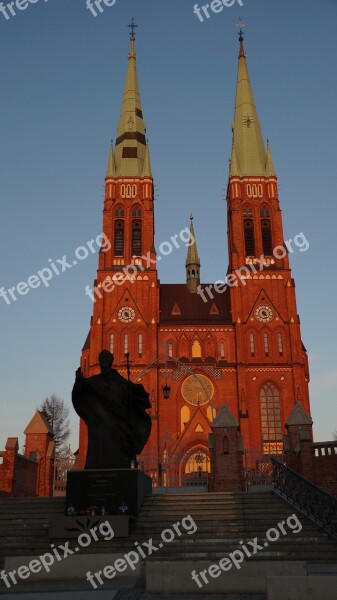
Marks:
<point>196,349</point>
<point>247,212</point>
<point>136,238</point>
<point>271,419</point>
<point>267,242</point>
<point>119,238</point>
<point>266,344</point>
<point>140,345</point>
<point>249,237</point>
<point>280,343</point>
<point>119,211</point>
<point>252,344</point>
<point>136,212</point>
<point>248,224</point>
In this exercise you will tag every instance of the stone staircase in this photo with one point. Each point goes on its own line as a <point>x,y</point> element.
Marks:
<point>222,519</point>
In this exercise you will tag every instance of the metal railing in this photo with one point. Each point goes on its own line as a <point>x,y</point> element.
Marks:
<point>177,469</point>
<point>311,500</point>
<point>62,465</point>
<point>259,468</point>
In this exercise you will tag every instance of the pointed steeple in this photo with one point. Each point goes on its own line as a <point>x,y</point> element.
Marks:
<point>147,169</point>
<point>131,146</point>
<point>192,262</point>
<point>111,170</point>
<point>270,169</point>
<point>249,155</point>
<point>233,167</point>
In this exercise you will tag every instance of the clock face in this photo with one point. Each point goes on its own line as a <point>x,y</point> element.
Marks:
<point>264,314</point>
<point>126,314</point>
<point>197,389</point>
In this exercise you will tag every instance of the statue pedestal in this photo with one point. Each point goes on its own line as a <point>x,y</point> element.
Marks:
<point>102,491</point>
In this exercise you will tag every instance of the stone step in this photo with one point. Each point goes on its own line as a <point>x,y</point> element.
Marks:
<point>206,544</point>
<point>222,520</point>
<point>308,545</point>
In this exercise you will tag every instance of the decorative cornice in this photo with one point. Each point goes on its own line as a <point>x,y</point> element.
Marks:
<point>196,328</point>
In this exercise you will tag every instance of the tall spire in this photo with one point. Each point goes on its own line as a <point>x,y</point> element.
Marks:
<point>192,262</point>
<point>270,169</point>
<point>249,155</point>
<point>131,146</point>
<point>147,169</point>
<point>111,170</point>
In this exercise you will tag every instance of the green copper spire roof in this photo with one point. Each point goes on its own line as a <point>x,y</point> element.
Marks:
<point>233,168</point>
<point>131,147</point>
<point>270,169</point>
<point>249,156</point>
<point>111,170</point>
<point>147,169</point>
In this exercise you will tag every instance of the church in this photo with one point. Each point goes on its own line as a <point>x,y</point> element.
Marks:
<point>238,348</point>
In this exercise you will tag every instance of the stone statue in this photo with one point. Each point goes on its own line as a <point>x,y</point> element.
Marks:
<point>114,410</point>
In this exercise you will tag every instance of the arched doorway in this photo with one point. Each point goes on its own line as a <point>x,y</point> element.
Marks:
<point>195,468</point>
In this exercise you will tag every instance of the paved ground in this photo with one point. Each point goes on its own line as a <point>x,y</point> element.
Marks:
<point>125,591</point>
<point>74,591</point>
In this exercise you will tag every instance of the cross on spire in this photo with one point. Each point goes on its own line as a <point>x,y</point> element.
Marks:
<point>240,25</point>
<point>133,26</point>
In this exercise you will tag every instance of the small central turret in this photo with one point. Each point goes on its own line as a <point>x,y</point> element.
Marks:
<point>192,263</point>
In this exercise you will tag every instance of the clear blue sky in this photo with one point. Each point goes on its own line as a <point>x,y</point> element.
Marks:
<point>62,73</point>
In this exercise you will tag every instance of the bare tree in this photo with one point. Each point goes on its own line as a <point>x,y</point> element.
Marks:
<point>56,413</point>
<point>334,435</point>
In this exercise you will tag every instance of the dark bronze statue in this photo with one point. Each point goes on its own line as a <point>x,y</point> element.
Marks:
<point>114,410</point>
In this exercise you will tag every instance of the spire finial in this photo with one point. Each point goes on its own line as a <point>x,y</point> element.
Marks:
<point>191,217</point>
<point>133,26</point>
<point>240,24</point>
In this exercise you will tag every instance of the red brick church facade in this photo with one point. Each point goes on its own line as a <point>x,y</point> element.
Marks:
<point>237,345</point>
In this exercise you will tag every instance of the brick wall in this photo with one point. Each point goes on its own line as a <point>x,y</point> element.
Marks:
<point>24,476</point>
<point>324,459</point>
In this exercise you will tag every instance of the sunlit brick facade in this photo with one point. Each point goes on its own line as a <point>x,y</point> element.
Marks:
<point>243,343</point>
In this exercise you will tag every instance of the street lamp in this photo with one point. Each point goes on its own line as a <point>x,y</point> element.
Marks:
<point>166,391</point>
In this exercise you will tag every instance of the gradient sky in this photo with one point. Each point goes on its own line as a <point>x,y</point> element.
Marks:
<point>62,73</point>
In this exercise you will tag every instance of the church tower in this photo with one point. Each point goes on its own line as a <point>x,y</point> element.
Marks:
<point>272,366</point>
<point>126,292</point>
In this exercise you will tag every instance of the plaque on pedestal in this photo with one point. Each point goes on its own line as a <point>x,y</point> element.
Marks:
<point>106,491</point>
